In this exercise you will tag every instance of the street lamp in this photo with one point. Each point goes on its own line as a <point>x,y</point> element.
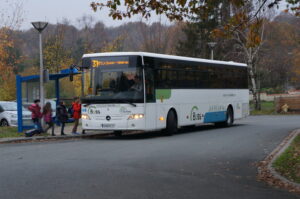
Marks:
<point>211,46</point>
<point>40,26</point>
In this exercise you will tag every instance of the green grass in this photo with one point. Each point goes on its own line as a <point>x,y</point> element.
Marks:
<point>11,132</point>
<point>267,108</point>
<point>6,132</point>
<point>288,163</point>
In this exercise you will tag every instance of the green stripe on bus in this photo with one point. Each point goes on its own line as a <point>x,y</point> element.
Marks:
<point>163,93</point>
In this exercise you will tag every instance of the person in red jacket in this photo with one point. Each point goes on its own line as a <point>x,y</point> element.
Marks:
<point>76,108</point>
<point>36,114</point>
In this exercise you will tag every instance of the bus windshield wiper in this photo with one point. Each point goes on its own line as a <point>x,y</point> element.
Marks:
<point>128,102</point>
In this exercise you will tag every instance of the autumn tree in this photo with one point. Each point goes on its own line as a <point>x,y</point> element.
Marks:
<point>56,56</point>
<point>8,53</point>
<point>282,38</point>
<point>198,29</point>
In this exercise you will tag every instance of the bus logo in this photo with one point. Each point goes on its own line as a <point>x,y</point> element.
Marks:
<point>195,115</point>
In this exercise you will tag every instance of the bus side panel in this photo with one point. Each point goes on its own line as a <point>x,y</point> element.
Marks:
<point>193,105</point>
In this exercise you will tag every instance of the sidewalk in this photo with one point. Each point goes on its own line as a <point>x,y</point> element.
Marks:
<point>49,137</point>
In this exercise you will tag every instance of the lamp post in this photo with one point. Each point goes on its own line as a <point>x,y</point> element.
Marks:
<point>40,26</point>
<point>211,46</point>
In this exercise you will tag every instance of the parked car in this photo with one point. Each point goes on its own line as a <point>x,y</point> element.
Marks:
<point>9,114</point>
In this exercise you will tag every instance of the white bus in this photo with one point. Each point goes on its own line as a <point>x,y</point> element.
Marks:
<point>138,91</point>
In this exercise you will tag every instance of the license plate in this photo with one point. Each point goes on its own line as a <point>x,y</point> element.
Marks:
<point>108,125</point>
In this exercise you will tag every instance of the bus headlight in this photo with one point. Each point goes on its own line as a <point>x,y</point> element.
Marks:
<point>85,117</point>
<point>135,116</point>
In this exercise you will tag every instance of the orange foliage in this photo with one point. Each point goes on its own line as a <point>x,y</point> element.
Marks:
<point>7,89</point>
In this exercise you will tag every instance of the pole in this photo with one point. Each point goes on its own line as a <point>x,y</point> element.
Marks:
<point>212,54</point>
<point>41,73</point>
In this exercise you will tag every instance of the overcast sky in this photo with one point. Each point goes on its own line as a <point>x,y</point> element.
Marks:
<point>54,11</point>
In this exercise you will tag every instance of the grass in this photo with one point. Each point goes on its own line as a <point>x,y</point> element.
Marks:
<point>6,132</point>
<point>11,132</point>
<point>267,108</point>
<point>288,163</point>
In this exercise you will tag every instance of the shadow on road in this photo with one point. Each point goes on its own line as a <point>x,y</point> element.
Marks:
<point>156,134</point>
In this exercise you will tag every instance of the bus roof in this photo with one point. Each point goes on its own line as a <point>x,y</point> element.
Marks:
<point>164,56</point>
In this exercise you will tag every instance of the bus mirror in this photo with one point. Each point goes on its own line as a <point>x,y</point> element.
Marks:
<point>71,72</point>
<point>71,75</point>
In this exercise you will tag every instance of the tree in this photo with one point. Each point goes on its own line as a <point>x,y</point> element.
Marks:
<point>56,55</point>
<point>248,33</point>
<point>9,56</point>
<point>198,30</point>
<point>7,89</point>
<point>174,10</point>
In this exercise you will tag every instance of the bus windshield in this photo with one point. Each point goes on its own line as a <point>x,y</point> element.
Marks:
<point>116,83</point>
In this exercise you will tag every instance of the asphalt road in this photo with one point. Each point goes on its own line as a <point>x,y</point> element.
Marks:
<point>206,162</point>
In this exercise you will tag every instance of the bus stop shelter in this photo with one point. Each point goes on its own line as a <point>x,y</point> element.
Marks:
<point>25,92</point>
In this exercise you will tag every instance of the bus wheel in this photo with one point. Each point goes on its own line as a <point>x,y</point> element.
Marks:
<point>118,133</point>
<point>171,123</point>
<point>229,119</point>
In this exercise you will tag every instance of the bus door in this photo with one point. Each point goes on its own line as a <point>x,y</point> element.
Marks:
<point>150,110</point>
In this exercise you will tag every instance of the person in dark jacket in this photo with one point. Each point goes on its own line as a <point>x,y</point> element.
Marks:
<point>36,115</point>
<point>62,115</point>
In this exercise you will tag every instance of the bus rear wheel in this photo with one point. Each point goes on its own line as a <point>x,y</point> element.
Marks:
<point>229,119</point>
<point>172,123</point>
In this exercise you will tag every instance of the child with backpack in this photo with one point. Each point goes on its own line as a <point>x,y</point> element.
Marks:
<point>47,114</point>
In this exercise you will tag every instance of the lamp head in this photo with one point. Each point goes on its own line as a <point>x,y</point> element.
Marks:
<point>211,44</point>
<point>39,25</point>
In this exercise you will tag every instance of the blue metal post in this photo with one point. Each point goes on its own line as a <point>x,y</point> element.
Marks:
<point>57,91</point>
<point>19,102</point>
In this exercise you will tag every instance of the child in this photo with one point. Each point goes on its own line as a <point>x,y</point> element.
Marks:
<point>76,106</point>
<point>62,116</point>
<point>47,113</point>
<point>36,115</point>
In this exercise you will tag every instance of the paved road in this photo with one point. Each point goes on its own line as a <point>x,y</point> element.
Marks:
<point>205,163</point>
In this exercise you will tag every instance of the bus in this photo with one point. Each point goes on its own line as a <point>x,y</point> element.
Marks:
<point>140,91</point>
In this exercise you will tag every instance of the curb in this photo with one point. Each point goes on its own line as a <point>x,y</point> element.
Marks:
<point>50,138</point>
<point>268,174</point>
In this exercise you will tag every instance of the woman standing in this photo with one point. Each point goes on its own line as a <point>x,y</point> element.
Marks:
<point>76,107</point>
<point>47,114</point>
<point>62,115</point>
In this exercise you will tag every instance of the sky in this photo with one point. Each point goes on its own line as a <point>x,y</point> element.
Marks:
<point>54,11</point>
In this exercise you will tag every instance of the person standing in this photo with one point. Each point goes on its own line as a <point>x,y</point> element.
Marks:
<point>62,115</point>
<point>36,115</point>
<point>76,109</point>
<point>47,113</point>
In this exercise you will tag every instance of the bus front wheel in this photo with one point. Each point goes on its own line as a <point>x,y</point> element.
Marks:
<point>171,126</point>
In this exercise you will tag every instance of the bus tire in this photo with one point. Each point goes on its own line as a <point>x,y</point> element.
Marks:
<point>118,133</point>
<point>172,122</point>
<point>229,119</point>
